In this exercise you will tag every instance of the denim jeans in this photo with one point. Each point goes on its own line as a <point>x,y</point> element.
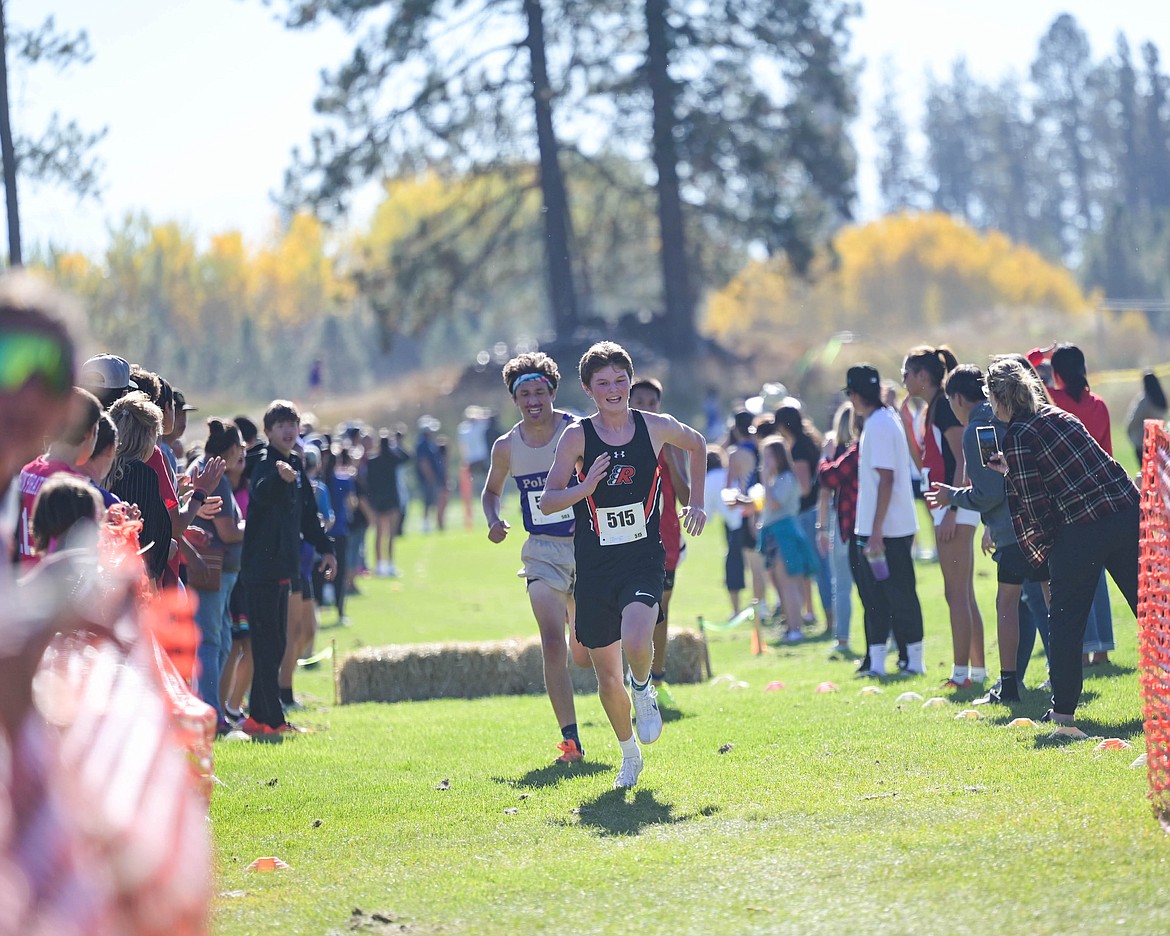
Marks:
<point>1099,626</point>
<point>837,562</point>
<point>1033,621</point>
<point>214,618</point>
<point>808,526</point>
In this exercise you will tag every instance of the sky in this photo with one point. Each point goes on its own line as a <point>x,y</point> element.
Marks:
<point>205,99</point>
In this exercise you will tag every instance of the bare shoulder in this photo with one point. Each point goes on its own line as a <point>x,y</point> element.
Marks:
<point>502,447</point>
<point>574,434</point>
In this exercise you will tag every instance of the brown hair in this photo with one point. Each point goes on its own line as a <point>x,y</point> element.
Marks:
<point>62,501</point>
<point>604,354</point>
<point>86,413</point>
<point>779,447</point>
<point>966,381</point>
<point>280,411</point>
<point>221,436</point>
<point>937,362</point>
<point>534,362</point>
<point>107,435</point>
<point>647,383</point>
<point>148,382</point>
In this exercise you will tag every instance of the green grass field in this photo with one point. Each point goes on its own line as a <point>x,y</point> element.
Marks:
<point>779,812</point>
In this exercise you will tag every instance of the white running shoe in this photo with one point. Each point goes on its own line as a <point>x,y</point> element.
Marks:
<point>628,774</point>
<point>647,718</point>
<point>391,570</point>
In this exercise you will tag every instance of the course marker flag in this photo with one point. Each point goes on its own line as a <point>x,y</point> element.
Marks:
<point>1153,614</point>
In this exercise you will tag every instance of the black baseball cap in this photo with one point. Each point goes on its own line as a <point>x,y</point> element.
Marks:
<point>863,379</point>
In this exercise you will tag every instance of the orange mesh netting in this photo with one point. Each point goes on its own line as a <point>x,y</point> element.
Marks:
<point>1154,613</point>
<point>105,809</point>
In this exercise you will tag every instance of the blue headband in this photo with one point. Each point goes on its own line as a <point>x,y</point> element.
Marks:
<point>524,378</point>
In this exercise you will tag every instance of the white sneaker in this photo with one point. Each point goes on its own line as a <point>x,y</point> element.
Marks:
<point>391,570</point>
<point>383,570</point>
<point>647,718</point>
<point>628,773</point>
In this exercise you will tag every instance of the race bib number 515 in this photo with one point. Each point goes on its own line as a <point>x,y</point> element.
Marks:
<point>617,525</point>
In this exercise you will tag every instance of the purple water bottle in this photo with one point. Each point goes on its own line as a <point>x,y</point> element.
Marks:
<point>878,565</point>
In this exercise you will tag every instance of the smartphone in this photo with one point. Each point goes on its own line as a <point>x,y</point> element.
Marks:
<point>988,445</point>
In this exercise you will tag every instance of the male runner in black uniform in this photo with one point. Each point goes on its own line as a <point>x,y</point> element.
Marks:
<point>620,559</point>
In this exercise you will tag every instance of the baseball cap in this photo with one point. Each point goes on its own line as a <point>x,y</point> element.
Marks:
<point>861,378</point>
<point>181,402</point>
<point>106,372</point>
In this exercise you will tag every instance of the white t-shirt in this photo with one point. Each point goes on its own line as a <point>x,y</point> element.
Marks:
<point>883,445</point>
<point>714,484</point>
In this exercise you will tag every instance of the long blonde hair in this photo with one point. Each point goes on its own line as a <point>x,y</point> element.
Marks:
<point>139,424</point>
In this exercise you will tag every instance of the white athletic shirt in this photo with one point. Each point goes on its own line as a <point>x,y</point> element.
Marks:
<point>884,445</point>
<point>529,468</point>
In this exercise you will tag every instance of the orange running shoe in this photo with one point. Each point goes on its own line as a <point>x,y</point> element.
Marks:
<point>570,752</point>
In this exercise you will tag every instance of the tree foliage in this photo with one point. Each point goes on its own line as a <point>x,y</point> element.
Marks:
<point>226,313</point>
<point>905,273</point>
<point>62,153</point>
<point>1072,158</point>
<point>449,86</point>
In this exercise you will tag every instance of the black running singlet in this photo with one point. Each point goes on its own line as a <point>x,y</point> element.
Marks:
<point>618,524</point>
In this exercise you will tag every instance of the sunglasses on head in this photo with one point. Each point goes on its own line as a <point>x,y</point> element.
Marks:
<point>26,356</point>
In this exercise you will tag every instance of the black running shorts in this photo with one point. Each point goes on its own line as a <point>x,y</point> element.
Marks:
<point>601,599</point>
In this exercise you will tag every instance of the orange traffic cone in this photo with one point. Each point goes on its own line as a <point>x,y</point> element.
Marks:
<point>757,644</point>
<point>268,864</point>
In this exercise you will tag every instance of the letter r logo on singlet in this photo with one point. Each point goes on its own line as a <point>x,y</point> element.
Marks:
<point>620,474</point>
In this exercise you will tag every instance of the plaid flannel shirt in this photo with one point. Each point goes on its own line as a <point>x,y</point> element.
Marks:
<point>1059,476</point>
<point>840,476</point>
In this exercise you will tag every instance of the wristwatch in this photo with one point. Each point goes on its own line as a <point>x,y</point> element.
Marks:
<point>198,495</point>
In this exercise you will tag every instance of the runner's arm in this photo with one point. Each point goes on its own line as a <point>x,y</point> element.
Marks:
<point>570,450</point>
<point>493,487</point>
<point>667,429</point>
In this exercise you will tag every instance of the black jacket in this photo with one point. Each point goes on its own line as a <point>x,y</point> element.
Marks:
<point>279,514</point>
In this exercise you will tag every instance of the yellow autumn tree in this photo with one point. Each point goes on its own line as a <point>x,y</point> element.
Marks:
<point>903,273</point>
<point>294,280</point>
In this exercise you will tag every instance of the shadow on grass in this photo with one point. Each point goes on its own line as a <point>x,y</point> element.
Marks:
<point>612,814</point>
<point>1129,729</point>
<point>1033,704</point>
<point>554,773</point>
<point>1095,670</point>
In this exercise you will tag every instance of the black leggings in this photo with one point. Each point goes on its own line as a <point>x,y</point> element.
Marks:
<point>1079,553</point>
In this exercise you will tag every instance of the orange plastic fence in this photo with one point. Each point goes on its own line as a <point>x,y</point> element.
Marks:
<point>1154,614</point>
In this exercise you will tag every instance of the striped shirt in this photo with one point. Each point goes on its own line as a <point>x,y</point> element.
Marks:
<point>1059,476</point>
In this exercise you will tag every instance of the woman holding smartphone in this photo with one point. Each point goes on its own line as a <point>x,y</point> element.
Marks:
<point>982,436</point>
<point>1072,506</point>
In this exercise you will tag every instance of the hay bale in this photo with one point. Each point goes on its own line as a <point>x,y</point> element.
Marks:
<point>412,672</point>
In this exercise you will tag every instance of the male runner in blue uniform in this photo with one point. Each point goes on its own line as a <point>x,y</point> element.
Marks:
<point>620,559</point>
<point>526,453</point>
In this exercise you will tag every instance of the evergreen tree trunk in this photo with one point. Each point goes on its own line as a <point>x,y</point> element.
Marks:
<point>7,150</point>
<point>557,222</point>
<point>676,290</point>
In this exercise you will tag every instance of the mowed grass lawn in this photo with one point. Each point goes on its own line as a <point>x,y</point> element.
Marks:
<point>777,812</point>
